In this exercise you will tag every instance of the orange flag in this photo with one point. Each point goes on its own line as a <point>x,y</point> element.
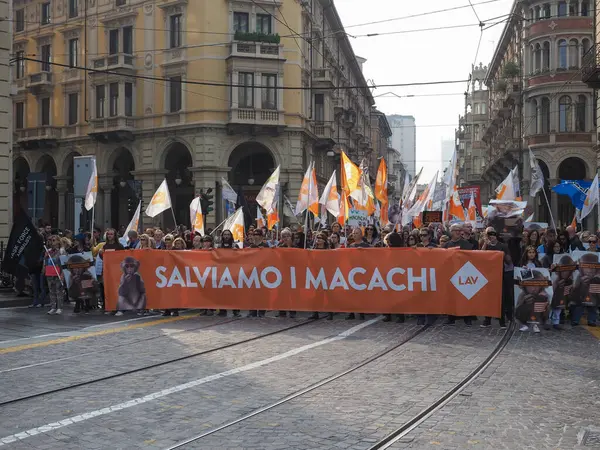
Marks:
<point>350,175</point>
<point>272,218</point>
<point>455,207</point>
<point>381,192</point>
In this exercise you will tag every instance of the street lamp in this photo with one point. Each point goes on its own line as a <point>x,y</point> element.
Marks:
<point>48,187</point>
<point>178,181</point>
<point>123,183</point>
<point>250,181</point>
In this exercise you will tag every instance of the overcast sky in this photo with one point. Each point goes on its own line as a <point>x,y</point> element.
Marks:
<point>423,56</point>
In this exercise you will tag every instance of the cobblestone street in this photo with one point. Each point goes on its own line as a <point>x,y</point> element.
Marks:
<point>153,382</point>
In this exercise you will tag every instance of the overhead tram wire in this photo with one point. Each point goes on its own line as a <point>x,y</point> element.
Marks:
<point>475,12</point>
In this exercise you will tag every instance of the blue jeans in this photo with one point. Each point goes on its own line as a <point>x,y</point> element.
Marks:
<point>39,290</point>
<point>592,314</point>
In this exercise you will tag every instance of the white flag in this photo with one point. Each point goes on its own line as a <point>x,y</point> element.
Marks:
<point>591,199</point>
<point>92,188</point>
<point>267,195</point>
<point>506,190</point>
<point>161,200</point>
<point>235,224</point>
<point>196,218</point>
<point>227,192</point>
<point>537,177</point>
<point>260,220</point>
<point>330,198</point>
<point>135,220</point>
<point>308,197</point>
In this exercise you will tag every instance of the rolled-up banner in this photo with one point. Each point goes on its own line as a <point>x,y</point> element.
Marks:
<point>406,280</point>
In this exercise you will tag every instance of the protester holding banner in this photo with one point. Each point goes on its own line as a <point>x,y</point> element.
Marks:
<point>54,275</point>
<point>491,243</point>
<point>562,269</point>
<point>586,289</point>
<point>321,244</point>
<point>371,237</point>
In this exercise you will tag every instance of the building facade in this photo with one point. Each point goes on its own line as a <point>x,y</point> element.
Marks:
<point>6,186</point>
<point>538,101</point>
<point>404,139</point>
<point>222,89</point>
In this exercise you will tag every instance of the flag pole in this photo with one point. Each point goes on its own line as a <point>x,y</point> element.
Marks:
<point>549,209</point>
<point>54,265</point>
<point>217,227</point>
<point>307,207</point>
<point>174,219</point>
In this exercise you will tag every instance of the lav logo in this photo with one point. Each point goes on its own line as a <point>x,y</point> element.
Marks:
<point>468,280</point>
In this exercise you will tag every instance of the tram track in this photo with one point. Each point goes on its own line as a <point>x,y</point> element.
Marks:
<point>155,365</point>
<point>439,404</point>
<point>411,335</point>
<point>401,431</point>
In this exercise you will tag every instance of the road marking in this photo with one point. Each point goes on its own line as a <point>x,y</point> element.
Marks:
<point>594,331</point>
<point>116,322</point>
<point>64,340</point>
<point>181,387</point>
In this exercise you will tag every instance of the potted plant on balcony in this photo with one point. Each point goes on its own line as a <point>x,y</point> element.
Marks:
<point>257,37</point>
<point>511,70</point>
<point>501,85</point>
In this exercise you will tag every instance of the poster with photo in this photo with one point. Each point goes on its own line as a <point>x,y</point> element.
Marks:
<point>564,269</point>
<point>586,280</point>
<point>533,292</point>
<point>80,275</point>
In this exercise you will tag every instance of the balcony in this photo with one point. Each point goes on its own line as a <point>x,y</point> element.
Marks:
<point>118,61</point>
<point>265,50</point>
<point>338,104</point>
<point>325,134</point>
<point>39,82</point>
<point>323,78</point>
<point>174,56</point>
<point>590,70</point>
<point>112,129</point>
<point>259,121</point>
<point>38,138</point>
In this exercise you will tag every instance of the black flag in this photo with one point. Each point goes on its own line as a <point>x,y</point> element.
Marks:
<point>24,248</point>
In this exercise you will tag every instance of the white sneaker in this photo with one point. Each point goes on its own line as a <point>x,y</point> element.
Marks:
<point>52,311</point>
<point>107,313</point>
<point>59,311</point>
<point>119,313</point>
<point>536,329</point>
<point>524,328</point>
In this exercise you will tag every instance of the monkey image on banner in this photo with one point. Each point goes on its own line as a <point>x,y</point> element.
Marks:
<point>80,278</point>
<point>586,289</point>
<point>533,290</point>
<point>562,281</point>
<point>132,292</point>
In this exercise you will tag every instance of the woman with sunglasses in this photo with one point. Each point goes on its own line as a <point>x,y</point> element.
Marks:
<point>371,236</point>
<point>178,244</point>
<point>394,240</point>
<point>321,244</point>
<point>228,242</point>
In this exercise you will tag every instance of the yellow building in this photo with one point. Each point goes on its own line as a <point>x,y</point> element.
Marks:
<point>5,123</point>
<point>192,93</point>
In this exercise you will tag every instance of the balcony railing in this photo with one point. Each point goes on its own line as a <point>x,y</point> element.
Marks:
<point>40,79</point>
<point>255,116</point>
<point>113,124</point>
<point>116,61</point>
<point>322,77</point>
<point>322,130</point>
<point>38,133</point>
<point>590,67</point>
<point>256,50</point>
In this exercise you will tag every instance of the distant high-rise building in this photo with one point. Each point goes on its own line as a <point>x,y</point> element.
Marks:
<point>404,139</point>
<point>448,146</point>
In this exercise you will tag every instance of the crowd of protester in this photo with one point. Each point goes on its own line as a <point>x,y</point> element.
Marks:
<point>528,249</point>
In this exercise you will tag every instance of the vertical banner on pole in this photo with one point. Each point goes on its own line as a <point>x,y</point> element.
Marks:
<point>36,196</point>
<point>82,171</point>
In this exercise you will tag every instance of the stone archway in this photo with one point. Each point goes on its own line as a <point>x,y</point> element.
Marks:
<point>125,190</point>
<point>572,168</point>
<point>251,166</point>
<point>20,173</point>
<point>178,162</point>
<point>47,165</point>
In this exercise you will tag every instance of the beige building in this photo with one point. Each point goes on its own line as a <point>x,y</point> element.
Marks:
<point>221,89</point>
<point>6,188</point>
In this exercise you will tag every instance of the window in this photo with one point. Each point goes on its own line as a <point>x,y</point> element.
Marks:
<point>100,99</point>
<point>128,99</point>
<point>174,94</point>
<point>45,13</point>
<point>113,41</point>
<point>535,116</point>
<point>128,40</point>
<point>46,58</point>
<point>476,133</point>
<point>538,57</point>
<point>564,114</point>
<point>20,64</point>
<point>585,8</point>
<point>113,93</point>
<point>580,113</point>
<point>537,13</point>
<point>120,2</point>
<point>241,22</point>
<point>573,53</point>
<point>483,108</point>
<point>562,54</point>
<point>45,111</point>
<point>546,56</point>
<point>175,31</point>
<point>546,11</point>
<point>585,46</point>
<point>545,113</point>
<point>573,8</point>
<point>72,8</point>
<point>562,9</point>
<point>19,115</point>
<point>19,19</point>
<point>246,90</point>
<point>263,23</point>
<point>73,52</point>
<point>319,108</point>
<point>73,114</point>
<point>269,91</point>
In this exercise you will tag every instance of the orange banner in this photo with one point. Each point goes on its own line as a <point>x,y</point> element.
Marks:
<point>378,280</point>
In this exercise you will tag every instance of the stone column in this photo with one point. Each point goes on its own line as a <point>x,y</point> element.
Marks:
<point>104,216</point>
<point>62,189</point>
